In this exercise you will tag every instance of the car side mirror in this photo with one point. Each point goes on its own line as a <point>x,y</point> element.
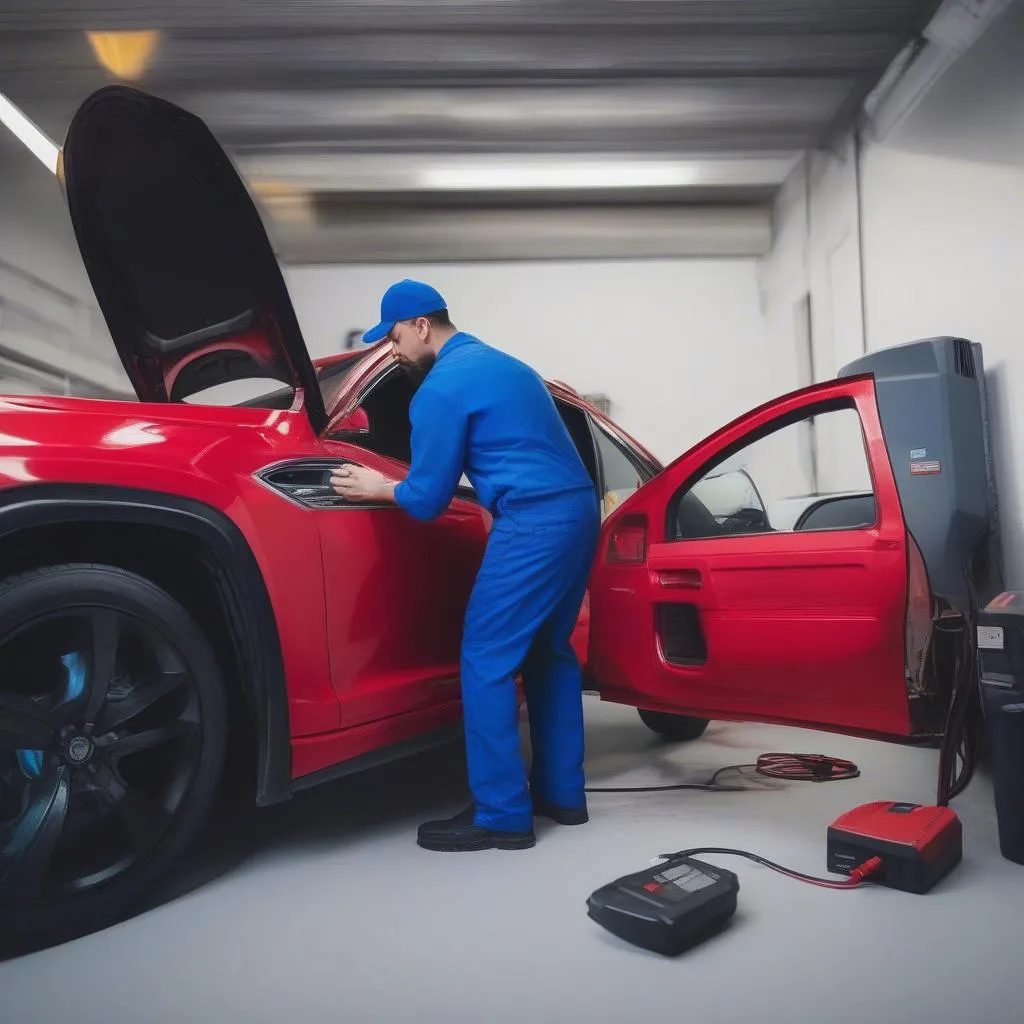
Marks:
<point>356,422</point>
<point>752,519</point>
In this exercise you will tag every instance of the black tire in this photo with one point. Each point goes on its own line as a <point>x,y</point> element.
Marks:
<point>119,795</point>
<point>673,727</point>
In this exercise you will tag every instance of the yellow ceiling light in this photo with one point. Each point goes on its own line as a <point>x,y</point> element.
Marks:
<point>125,55</point>
<point>286,203</point>
<point>268,189</point>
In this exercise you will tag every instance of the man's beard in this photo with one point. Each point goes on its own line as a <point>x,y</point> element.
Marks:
<point>418,369</point>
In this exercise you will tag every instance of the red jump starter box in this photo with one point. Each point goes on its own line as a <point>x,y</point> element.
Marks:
<point>919,845</point>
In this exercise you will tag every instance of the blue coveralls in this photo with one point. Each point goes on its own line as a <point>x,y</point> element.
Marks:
<point>485,413</point>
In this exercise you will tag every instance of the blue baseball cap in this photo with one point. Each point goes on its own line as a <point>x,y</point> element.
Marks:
<point>404,301</point>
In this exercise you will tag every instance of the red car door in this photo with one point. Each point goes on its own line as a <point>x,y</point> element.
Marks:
<point>763,575</point>
<point>395,589</point>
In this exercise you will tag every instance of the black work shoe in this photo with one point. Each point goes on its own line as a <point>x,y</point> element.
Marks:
<point>563,815</point>
<point>457,834</point>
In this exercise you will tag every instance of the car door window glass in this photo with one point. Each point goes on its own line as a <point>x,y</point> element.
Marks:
<point>620,474</point>
<point>812,474</point>
<point>577,422</point>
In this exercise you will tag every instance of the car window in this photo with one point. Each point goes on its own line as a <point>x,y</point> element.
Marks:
<point>784,481</point>
<point>621,476</point>
<point>384,413</point>
<point>577,422</point>
<point>330,378</point>
<point>843,511</point>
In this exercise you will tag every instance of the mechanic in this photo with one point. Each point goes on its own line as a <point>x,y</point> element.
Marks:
<point>482,412</point>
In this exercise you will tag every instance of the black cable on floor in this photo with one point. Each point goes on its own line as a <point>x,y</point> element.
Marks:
<point>788,767</point>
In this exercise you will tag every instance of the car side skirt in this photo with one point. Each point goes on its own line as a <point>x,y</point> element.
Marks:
<point>319,759</point>
<point>629,698</point>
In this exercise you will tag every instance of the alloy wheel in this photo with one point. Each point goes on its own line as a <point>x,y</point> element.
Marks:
<point>100,743</point>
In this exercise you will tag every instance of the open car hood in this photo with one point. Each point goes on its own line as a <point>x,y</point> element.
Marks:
<point>177,253</point>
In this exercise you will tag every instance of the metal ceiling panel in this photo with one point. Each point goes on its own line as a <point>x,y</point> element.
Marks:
<point>306,85</point>
<point>253,16</point>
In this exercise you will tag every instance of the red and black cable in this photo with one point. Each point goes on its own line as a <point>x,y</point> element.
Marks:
<point>858,876</point>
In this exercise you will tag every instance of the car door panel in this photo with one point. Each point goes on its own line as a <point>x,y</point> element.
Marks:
<point>767,616</point>
<point>396,593</point>
<point>580,638</point>
<point>620,471</point>
<point>395,589</point>
<point>805,627</point>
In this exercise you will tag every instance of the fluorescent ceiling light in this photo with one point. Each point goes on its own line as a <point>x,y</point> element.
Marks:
<point>274,173</point>
<point>28,133</point>
<point>567,175</point>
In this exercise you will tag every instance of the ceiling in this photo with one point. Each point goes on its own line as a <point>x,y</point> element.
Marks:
<point>430,129</point>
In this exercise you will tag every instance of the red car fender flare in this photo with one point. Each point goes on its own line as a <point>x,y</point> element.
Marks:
<point>244,592</point>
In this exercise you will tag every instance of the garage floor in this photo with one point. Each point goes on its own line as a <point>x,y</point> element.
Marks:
<point>328,911</point>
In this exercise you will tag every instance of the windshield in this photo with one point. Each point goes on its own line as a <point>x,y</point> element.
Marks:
<point>331,378</point>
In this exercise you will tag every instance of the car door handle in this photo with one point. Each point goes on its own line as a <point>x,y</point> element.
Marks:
<point>308,482</point>
<point>680,579</point>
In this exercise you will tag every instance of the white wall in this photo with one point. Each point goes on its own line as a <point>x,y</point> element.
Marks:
<point>811,293</point>
<point>48,312</point>
<point>677,345</point>
<point>944,238</point>
<point>942,221</point>
<point>35,229</point>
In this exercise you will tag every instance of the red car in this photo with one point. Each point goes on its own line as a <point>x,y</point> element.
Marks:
<point>181,592</point>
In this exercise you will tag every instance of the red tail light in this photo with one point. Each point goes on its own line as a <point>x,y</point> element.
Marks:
<point>628,541</point>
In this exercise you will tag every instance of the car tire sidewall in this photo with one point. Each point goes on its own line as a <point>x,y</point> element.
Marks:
<point>677,728</point>
<point>66,587</point>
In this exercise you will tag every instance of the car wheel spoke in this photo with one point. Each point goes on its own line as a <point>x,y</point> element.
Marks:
<point>27,844</point>
<point>106,633</point>
<point>126,743</point>
<point>143,818</point>
<point>23,725</point>
<point>143,695</point>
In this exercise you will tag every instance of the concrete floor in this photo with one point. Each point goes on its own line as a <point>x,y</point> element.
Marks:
<point>327,910</point>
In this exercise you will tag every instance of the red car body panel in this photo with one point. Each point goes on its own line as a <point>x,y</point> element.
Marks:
<point>396,592</point>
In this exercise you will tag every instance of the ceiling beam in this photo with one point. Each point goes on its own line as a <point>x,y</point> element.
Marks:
<point>257,16</point>
<point>436,236</point>
<point>401,57</point>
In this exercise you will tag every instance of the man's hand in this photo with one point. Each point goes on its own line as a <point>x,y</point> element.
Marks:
<point>356,483</point>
